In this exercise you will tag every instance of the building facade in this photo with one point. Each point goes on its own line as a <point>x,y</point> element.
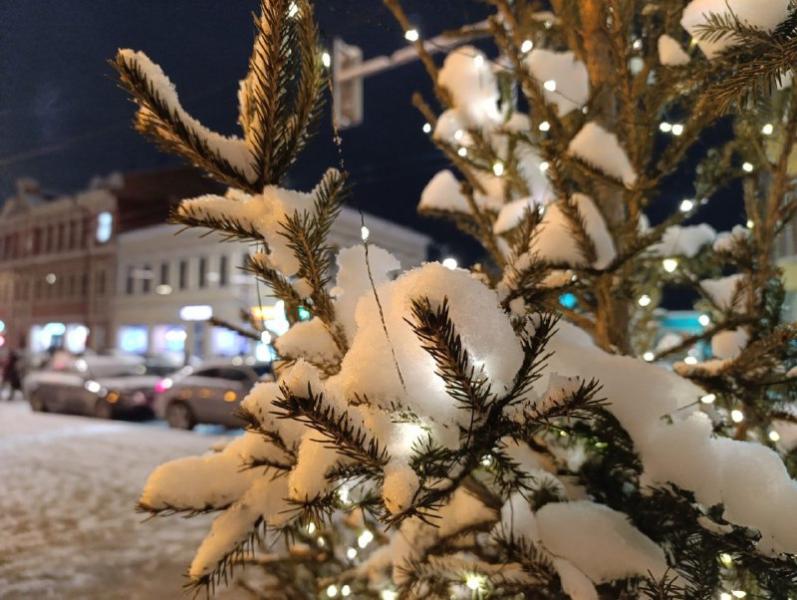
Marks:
<point>787,260</point>
<point>169,281</point>
<point>57,267</point>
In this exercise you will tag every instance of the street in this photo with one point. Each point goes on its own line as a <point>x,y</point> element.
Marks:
<point>68,528</point>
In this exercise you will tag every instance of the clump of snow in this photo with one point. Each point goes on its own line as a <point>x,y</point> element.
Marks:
<point>571,88</point>
<point>598,541</point>
<point>727,241</point>
<point>729,344</point>
<point>310,340</point>
<point>399,487</point>
<point>602,150</point>
<point>452,128</point>
<point>684,240</point>
<point>762,14</point>
<point>512,213</point>
<point>468,77</point>
<point>259,402</point>
<point>670,52</point>
<point>727,293</point>
<point>574,583</point>
<point>353,281</point>
<point>443,193</point>
<point>554,241</point>
<point>232,149</point>
<point>316,456</point>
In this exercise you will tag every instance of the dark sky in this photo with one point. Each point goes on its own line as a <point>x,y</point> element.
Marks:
<point>63,119</point>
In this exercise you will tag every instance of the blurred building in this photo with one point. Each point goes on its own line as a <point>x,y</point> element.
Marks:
<point>787,259</point>
<point>170,282</point>
<point>100,270</point>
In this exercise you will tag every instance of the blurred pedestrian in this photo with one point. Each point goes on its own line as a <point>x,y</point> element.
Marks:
<point>11,376</point>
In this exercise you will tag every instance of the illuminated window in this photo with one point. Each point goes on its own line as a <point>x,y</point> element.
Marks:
<point>104,227</point>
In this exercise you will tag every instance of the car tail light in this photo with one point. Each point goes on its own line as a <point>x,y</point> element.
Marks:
<point>163,385</point>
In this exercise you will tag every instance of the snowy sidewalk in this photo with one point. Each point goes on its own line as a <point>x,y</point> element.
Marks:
<point>68,528</point>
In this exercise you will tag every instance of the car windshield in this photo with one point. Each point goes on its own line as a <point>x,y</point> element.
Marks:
<point>110,368</point>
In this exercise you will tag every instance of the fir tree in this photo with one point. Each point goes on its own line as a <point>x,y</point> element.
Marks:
<point>447,433</point>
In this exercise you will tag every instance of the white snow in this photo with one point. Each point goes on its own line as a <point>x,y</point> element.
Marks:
<point>601,149</point>
<point>684,240</point>
<point>761,14</point>
<point>467,75</point>
<point>671,53</point>
<point>574,583</point>
<point>728,240</point>
<point>512,213</point>
<point>443,193</point>
<point>233,149</point>
<point>310,340</point>
<point>729,344</point>
<point>399,486</point>
<point>572,81</point>
<point>727,293</point>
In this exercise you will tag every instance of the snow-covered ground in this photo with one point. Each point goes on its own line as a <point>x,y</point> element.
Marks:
<point>68,528</point>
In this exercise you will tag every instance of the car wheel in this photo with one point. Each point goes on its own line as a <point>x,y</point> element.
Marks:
<point>179,416</point>
<point>103,410</point>
<point>37,401</point>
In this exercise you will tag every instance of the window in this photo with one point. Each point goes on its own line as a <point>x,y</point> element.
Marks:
<point>146,279</point>
<point>72,285</point>
<point>104,227</point>
<point>130,285</point>
<point>164,278</point>
<point>84,284</point>
<point>183,274</point>
<point>72,235</point>
<point>223,270</point>
<point>61,236</point>
<point>49,239</point>
<point>37,240</point>
<point>99,283</point>
<point>203,271</point>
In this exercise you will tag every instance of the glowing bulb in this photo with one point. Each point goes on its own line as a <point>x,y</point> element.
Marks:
<point>726,559</point>
<point>725,596</point>
<point>463,152</point>
<point>332,591</point>
<point>677,129</point>
<point>498,168</point>
<point>345,590</point>
<point>311,528</point>
<point>412,35</point>
<point>767,129</point>
<point>478,60</point>
<point>637,44</point>
<point>459,134</point>
<point>388,595</point>
<point>365,538</point>
<point>690,360</point>
<point>665,127</point>
<point>737,416</point>
<point>544,166</point>
<point>670,264</point>
<point>427,128</point>
<point>747,167</point>
<point>708,398</point>
<point>351,553</point>
<point>474,582</point>
<point>265,337</point>
<point>738,593</point>
<point>450,263</point>
<point>750,224</point>
<point>364,233</point>
<point>326,59</point>
<point>648,356</point>
<point>526,46</point>
<point>774,436</point>
<point>686,205</point>
<point>545,126</point>
<point>550,85</point>
<point>487,460</point>
<point>644,300</point>
<point>704,320</point>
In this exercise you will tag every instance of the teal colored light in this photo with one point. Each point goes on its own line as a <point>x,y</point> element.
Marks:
<point>304,314</point>
<point>568,300</point>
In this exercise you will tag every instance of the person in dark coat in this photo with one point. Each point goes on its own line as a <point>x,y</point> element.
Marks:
<point>11,376</point>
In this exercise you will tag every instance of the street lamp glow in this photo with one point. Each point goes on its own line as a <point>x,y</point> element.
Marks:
<point>412,35</point>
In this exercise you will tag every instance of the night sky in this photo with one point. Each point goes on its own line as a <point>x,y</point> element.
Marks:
<point>63,119</point>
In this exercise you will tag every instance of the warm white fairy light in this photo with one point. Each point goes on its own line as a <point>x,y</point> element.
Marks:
<point>474,581</point>
<point>648,356</point>
<point>738,593</point>
<point>750,224</point>
<point>665,127</point>
<point>737,416</point>
<point>550,85</point>
<point>704,320</point>
<point>498,168</point>
<point>690,360</point>
<point>365,538</point>
<point>321,542</point>
<point>427,128</point>
<point>412,35</point>
<point>311,528</point>
<point>326,59</point>
<point>545,126</point>
<point>686,205</point>
<point>487,460</point>
<point>388,595</point>
<point>747,167</point>
<point>332,590</point>
<point>677,129</point>
<point>644,300</point>
<point>345,590</point>
<point>774,436</point>
<point>478,60</point>
<point>708,398</point>
<point>463,152</point>
<point>364,233</point>
<point>459,134</point>
<point>726,559</point>
<point>526,46</point>
<point>725,596</point>
<point>670,264</point>
<point>637,44</point>
<point>544,166</point>
<point>351,553</point>
<point>768,129</point>
<point>450,263</point>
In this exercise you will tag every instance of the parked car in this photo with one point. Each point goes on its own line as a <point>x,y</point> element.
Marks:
<point>100,386</point>
<point>210,393</point>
